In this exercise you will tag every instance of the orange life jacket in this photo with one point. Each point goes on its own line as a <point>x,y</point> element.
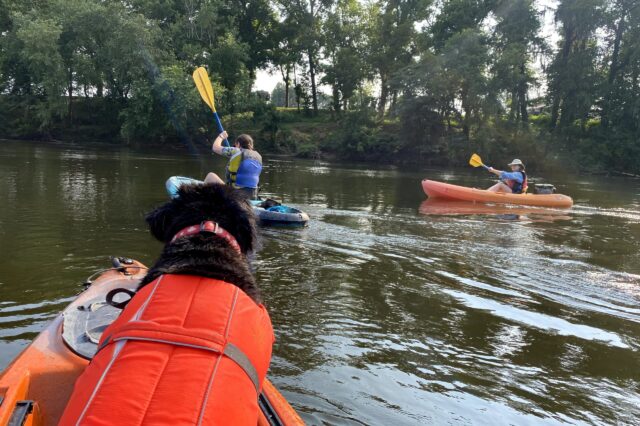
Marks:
<point>518,187</point>
<point>185,350</point>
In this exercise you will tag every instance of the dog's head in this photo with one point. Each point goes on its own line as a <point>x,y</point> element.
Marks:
<point>200,202</point>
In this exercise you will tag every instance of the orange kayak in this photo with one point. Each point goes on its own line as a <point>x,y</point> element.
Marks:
<point>35,387</point>
<point>447,191</point>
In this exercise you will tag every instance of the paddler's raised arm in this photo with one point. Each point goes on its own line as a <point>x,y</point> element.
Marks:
<point>217,144</point>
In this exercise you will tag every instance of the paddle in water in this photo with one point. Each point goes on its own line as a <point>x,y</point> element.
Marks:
<point>205,88</point>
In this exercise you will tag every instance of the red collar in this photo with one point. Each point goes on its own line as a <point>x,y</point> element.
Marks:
<point>208,226</point>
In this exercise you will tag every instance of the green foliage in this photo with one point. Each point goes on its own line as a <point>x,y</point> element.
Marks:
<point>163,107</point>
<point>422,129</point>
<point>515,41</point>
<point>38,38</point>
<point>413,80</point>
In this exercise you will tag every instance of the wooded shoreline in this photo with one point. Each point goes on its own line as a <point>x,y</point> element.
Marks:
<point>419,81</point>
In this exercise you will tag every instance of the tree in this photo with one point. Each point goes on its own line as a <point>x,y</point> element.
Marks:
<point>623,25</point>
<point>572,74</point>
<point>345,45</point>
<point>392,40</point>
<point>257,29</point>
<point>466,58</point>
<point>515,42</point>
<point>308,15</point>
<point>38,38</point>
<point>286,53</point>
<point>456,16</point>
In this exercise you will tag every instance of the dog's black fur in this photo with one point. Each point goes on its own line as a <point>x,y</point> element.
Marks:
<point>204,254</point>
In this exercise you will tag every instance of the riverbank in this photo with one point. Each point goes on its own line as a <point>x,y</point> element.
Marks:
<point>356,136</point>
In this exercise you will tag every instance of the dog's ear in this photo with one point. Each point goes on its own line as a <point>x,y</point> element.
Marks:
<point>244,227</point>
<point>159,220</point>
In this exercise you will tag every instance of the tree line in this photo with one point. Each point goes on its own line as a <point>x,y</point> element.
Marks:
<point>427,79</point>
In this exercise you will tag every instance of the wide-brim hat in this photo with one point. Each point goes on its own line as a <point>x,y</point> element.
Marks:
<point>516,162</point>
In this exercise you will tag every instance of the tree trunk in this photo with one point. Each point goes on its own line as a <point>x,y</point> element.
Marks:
<point>555,108</point>
<point>613,71</point>
<point>514,106</point>
<point>70,91</point>
<point>522,94</point>
<point>336,99</point>
<point>566,48</point>
<point>287,82</point>
<point>467,114</point>
<point>312,74</point>
<point>286,94</point>
<point>394,99</point>
<point>384,93</point>
<point>465,122</point>
<point>295,85</point>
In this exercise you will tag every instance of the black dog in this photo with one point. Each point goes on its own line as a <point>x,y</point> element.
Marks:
<point>195,327</point>
<point>202,254</point>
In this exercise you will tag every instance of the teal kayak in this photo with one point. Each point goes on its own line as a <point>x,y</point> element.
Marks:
<point>273,213</point>
<point>269,212</point>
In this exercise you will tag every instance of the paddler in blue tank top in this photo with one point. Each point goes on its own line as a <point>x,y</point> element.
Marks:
<point>513,182</point>
<point>245,163</point>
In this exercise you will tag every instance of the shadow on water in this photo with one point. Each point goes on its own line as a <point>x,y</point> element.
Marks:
<point>387,309</point>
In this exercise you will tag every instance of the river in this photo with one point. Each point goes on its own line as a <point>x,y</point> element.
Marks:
<point>387,310</point>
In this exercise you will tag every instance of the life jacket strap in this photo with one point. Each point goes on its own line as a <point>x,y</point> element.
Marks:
<point>143,331</point>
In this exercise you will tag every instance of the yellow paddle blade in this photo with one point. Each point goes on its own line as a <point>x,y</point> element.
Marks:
<point>476,161</point>
<point>203,84</point>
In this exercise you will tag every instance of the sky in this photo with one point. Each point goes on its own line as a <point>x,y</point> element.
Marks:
<point>265,81</point>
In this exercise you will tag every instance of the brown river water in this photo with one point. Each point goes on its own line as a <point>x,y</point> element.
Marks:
<point>387,310</point>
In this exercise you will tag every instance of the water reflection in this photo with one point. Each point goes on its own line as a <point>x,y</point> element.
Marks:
<point>504,212</point>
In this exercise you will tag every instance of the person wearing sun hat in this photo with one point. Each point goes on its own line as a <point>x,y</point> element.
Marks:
<point>513,182</point>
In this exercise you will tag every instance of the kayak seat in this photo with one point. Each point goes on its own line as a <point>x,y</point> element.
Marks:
<point>268,204</point>
<point>279,209</point>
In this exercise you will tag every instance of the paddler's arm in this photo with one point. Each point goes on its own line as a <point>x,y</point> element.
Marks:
<point>217,144</point>
<point>494,171</point>
<point>517,176</point>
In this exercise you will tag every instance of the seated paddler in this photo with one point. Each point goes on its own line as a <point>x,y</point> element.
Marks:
<point>245,163</point>
<point>513,182</point>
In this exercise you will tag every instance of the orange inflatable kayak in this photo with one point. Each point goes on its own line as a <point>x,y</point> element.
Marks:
<point>35,387</point>
<point>447,191</point>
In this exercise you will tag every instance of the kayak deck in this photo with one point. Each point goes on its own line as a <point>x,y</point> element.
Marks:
<point>446,191</point>
<point>279,214</point>
<point>35,387</point>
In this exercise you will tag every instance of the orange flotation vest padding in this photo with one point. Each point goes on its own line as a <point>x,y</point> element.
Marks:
<point>517,187</point>
<point>185,350</point>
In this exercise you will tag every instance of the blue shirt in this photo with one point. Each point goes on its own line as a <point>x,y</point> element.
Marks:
<point>517,176</point>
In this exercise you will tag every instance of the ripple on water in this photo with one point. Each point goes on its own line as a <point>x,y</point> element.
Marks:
<point>548,323</point>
